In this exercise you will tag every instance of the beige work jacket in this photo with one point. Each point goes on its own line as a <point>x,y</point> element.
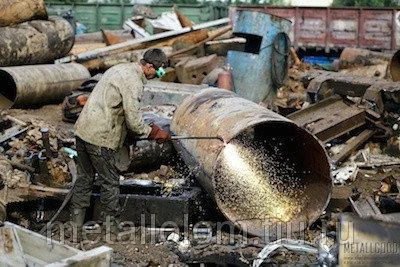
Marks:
<point>113,107</point>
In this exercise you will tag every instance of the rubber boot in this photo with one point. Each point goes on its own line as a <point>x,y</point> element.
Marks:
<point>110,227</point>
<point>78,218</point>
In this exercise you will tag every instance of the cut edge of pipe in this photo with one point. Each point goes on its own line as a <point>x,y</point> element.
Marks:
<point>8,90</point>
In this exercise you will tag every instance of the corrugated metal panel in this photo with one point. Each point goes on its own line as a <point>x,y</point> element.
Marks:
<point>376,28</point>
<point>338,27</point>
<point>311,27</point>
<point>87,15</point>
<point>343,29</point>
<point>112,15</point>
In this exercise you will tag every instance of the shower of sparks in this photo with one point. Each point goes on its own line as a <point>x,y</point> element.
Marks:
<point>258,184</point>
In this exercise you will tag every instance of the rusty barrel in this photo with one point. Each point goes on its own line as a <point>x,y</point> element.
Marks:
<point>35,42</point>
<point>17,11</point>
<point>28,86</point>
<point>266,171</point>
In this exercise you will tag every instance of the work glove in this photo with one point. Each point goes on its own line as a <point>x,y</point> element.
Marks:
<point>159,134</point>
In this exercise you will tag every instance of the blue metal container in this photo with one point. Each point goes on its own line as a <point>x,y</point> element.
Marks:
<point>321,61</point>
<point>261,68</point>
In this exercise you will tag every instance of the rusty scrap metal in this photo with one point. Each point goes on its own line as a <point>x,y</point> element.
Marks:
<point>354,57</point>
<point>25,86</point>
<point>264,172</point>
<point>128,45</point>
<point>330,118</point>
<point>365,207</point>
<point>35,42</point>
<point>106,62</point>
<point>352,146</point>
<point>46,142</point>
<point>11,127</point>
<point>3,213</point>
<point>17,11</point>
<point>338,27</point>
<point>323,84</point>
<point>395,67</point>
<point>20,166</point>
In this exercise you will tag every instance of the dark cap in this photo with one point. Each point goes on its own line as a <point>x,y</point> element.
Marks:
<point>156,57</point>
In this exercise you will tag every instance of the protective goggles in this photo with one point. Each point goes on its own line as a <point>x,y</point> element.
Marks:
<point>160,72</point>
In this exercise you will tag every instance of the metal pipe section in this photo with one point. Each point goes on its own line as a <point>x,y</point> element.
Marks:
<point>17,11</point>
<point>356,57</point>
<point>27,86</point>
<point>266,171</point>
<point>35,42</point>
<point>395,66</point>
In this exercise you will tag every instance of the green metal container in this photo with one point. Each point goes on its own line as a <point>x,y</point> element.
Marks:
<point>111,16</point>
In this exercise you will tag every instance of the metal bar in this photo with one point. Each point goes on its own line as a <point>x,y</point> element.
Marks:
<point>46,142</point>
<point>196,138</point>
<point>174,137</point>
<point>352,146</point>
<point>5,138</point>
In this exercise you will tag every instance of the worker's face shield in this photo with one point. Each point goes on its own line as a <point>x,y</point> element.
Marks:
<point>160,72</point>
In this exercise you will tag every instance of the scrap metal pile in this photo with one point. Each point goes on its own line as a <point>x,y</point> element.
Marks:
<point>285,148</point>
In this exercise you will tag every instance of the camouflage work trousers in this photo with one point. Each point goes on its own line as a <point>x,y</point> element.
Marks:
<point>93,159</point>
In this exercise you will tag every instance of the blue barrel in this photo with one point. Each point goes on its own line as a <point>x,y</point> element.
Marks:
<point>261,68</point>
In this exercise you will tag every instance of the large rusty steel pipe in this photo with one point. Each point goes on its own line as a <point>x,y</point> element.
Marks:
<point>357,57</point>
<point>267,171</point>
<point>17,11</point>
<point>35,42</point>
<point>27,86</point>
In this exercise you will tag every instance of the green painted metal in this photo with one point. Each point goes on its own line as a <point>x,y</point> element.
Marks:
<point>110,16</point>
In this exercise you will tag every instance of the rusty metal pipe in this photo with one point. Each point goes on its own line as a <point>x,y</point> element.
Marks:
<point>395,66</point>
<point>356,57</point>
<point>46,141</point>
<point>266,171</point>
<point>35,42</point>
<point>27,86</point>
<point>17,11</point>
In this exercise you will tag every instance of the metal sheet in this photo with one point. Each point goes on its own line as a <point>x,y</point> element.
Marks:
<point>329,118</point>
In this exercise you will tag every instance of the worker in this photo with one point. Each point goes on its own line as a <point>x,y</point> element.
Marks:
<point>111,110</point>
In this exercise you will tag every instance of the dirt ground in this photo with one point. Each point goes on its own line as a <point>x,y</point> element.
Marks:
<point>47,116</point>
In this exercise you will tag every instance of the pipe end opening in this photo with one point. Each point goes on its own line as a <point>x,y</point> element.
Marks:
<point>395,67</point>
<point>8,88</point>
<point>273,172</point>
